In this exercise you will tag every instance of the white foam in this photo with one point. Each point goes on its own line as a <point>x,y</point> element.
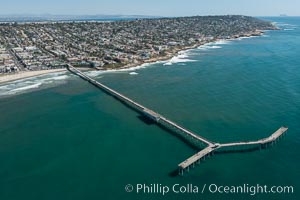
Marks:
<point>181,58</point>
<point>130,69</point>
<point>101,72</point>
<point>26,87</point>
<point>133,73</point>
<point>288,29</point>
<point>63,77</point>
<point>29,84</point>
<point>215,47</point>
<point>4,87</point>
<point>94,73</point>
<point>185,52</point>
<point>208,46</point>
<point>245,37</point>
<point>241,38</point>
<point>221,42</point>
<point>287,26</point>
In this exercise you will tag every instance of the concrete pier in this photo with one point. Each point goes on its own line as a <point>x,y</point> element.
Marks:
<point>201,155</point>
<point>145,111</point>
<point>208,151</point>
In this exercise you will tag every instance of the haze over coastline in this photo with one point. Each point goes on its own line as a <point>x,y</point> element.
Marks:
<point>58,18</point>
<point>152,8</point>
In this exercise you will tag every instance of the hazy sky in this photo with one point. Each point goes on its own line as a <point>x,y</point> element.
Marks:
<point>152,7</point>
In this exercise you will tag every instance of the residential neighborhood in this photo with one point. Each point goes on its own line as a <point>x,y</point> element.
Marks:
<point>102,45</point>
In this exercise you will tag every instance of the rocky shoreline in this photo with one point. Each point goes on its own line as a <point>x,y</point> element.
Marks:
<point>175,51</point>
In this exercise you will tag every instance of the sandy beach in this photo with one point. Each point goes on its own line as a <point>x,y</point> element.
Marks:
<point>26,74</point>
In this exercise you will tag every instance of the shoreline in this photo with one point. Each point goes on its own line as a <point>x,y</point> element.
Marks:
<point>30,74</point>
<point>177,50</point>
<point>174,52</point>
<point>27,74</point>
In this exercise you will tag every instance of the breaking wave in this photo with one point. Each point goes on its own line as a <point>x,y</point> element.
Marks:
<point>13,91</point>
<point>130,69</point>
<point>221,42</point>
<point>206,47</point>
<point>181,58</point>
<point>133,73</point>
<point>33,83</point>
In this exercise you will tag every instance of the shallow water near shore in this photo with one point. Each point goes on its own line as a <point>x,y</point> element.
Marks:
<point>69,140</point>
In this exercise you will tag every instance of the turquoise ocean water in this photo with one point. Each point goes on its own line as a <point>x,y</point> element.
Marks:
<point>61,138</point>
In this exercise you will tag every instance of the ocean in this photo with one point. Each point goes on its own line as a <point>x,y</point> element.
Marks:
<point>62,138</point>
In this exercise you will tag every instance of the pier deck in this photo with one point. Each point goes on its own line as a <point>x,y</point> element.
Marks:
<point>210,149</point>
<point>270,139</point>
<point>198,156</point>
<point>211,146</point>
<point>149,113</point>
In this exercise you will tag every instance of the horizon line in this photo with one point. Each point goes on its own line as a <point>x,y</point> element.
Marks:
<point>99,14</point>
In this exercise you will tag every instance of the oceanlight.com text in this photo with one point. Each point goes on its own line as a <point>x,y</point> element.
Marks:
<point>207,188</point>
